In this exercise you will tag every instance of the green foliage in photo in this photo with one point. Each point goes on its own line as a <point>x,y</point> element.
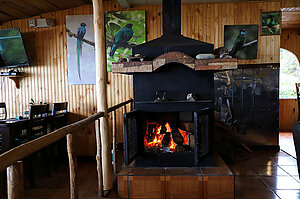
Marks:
<point>117,20</point>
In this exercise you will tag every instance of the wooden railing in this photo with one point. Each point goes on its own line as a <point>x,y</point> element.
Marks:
<point>10,159</point>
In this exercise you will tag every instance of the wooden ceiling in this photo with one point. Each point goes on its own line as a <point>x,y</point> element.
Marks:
<point>17,9</point>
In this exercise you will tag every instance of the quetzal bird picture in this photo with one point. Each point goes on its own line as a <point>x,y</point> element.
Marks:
<point>121,38</point>
<point>271,25</point>
<point>80,34</point>
<point>239,42</point>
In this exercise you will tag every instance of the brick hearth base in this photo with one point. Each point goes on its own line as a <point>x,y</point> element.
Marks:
<point>177,183</point>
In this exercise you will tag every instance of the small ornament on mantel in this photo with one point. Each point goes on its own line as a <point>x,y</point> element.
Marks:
<point>205,56</point>
<point>222,52</point>
<point>136,57</point>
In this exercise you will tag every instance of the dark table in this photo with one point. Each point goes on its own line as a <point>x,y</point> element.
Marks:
<point>9,129</point>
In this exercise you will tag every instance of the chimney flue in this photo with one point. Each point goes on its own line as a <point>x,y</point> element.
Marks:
<point>171,17</point>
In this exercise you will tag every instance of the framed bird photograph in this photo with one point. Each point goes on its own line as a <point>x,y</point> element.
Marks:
<point>241,41</point>
<point>270,23</point>
<point>80,49</point>
<point>124,30</point>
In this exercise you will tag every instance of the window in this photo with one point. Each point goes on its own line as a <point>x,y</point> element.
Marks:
<point>289,74</point>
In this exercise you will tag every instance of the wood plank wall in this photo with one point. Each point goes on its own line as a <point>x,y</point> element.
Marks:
<point>290,3</point>
<point>288,109</point>
<point>47,81</point>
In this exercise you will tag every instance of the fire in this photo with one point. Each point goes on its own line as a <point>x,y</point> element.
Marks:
<point>154,136</point>
<point>185,136</point>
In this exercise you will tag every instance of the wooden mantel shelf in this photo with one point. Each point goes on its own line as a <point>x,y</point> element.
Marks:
<point>15,78</point>
<point>171,57</point>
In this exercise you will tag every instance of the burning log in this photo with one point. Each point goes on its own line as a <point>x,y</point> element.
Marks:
<point>177,137</point>
<point>166,139</point>
<point>182,148</point>
<point>163,129</point>
<point>151,132</point>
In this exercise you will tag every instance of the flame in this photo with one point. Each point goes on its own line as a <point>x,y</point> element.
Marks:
<point>157,137</point>
<point>168,127</point>
<point>185,136</point>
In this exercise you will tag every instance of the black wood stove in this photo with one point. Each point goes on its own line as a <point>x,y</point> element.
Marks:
<point>172,121</point>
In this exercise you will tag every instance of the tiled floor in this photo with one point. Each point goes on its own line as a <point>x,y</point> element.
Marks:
<point>262,175</point>
<point>267,175</point>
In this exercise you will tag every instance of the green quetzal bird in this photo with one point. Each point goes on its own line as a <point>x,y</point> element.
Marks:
<point>271,24</point>
<point>239,42</point>
<point>80,34</point>
<point>121,38</point>
<point>270,21</point>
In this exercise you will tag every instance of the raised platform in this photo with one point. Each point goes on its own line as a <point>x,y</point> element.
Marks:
<point>179,183</point>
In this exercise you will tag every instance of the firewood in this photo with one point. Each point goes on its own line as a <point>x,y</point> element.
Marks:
<point>163,129</point>
<point>192,141</point>
<point>151,132</point>
<point>180,148</point>
<point>177,137</point>
<point>166,139</point>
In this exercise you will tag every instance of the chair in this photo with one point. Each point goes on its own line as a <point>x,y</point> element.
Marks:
<point>38,115</point>
<point>59,114</point>
<point>298,98</point>
<point>38,125</point>
<point>3,112</point>
<point>59,119</point>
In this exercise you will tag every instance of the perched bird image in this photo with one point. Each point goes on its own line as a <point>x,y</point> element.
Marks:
<point>239,42</point>
<point>270,21</point>
<point>271,25</point>
<point>121,38</point>
<point>80,34</point>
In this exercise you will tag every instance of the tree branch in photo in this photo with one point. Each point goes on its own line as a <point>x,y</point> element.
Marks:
<point>246,45</point>
<point>71,34</point>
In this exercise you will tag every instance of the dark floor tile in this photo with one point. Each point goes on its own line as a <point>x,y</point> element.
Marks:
<point>245,182</point>
<point>281,182</point>
<point>260,160</point>
<point>257,194</point>
<point>242,170</point>
<point>288,194</point>
<point>292,170</point>
<point>270,171</point>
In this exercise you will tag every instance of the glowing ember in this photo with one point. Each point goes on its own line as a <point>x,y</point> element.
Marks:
<point>161,138</point>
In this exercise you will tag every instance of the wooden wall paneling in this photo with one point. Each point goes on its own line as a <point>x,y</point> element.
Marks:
<point>290,3</point>
<point>290,40</point>
<point>288,114</point>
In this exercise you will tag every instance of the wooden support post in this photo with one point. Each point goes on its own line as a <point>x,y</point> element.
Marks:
<point>15,181</point>
<point>98,158</point>
<point>72,167</point>
<point>101,92</point>
<point>114,125</point>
